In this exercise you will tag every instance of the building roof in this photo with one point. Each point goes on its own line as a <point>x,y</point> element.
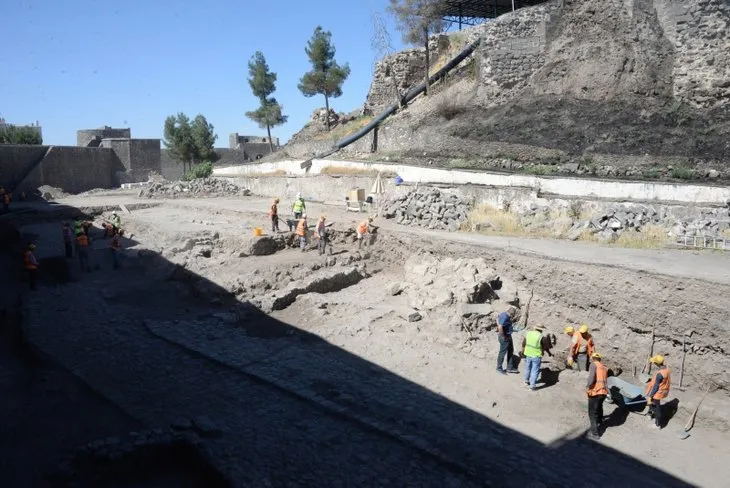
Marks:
<point>484,9</point>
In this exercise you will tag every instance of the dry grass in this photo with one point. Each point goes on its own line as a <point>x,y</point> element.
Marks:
<point>650,237</point>
<point>347,171</point>
<point>345,130</point>
<point>278,172</point>
<point>495,221</point>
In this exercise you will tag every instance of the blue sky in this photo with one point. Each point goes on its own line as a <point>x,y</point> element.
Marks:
<point>80,64</point>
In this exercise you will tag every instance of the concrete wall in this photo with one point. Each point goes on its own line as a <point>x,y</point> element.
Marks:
<point>555,186</point>
<point>88,137</point>
<point>72,169</point>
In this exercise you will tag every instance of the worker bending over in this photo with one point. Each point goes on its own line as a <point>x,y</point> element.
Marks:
<point>299,207</point>
<point>301,232</point>
<point>534,345</point>
<point>321,233</point>
<point>581,349</point>
<point>30,263</point>
<point>274,215</point>
<point>362,230</point>
<point>657,390</point>
<point>597,389</point>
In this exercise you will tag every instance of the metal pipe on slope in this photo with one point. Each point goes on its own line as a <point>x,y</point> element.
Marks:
<point>410,95</point>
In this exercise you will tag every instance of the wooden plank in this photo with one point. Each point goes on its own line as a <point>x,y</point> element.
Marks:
<point>124,208</point>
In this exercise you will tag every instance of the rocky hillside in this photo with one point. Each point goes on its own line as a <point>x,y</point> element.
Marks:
<point>627,88</point>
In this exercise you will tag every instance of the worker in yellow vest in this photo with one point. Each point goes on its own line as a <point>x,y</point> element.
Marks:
<point>657,390</point>
<point>299,207</point>
<point>597,389</point>
<point>534,345</point>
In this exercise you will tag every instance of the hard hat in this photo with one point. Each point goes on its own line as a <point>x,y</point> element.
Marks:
<point>583,329</point>
<point>276,200</point>
<point>370,219</point>
<point>323,216</point>
<point>658,360</point>
<point>569,330</point>
<point>596,355</point>
<point>114,212</point>
<point>299,195</point>
<point>304,216</point>
<point>31,246</point>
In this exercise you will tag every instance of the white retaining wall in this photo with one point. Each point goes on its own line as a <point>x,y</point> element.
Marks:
<point>560,187</point>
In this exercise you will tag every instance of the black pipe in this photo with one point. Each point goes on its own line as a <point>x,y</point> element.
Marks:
<point>410,95</point>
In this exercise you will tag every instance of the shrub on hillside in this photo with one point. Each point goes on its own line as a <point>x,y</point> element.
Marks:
<point>202,170</point>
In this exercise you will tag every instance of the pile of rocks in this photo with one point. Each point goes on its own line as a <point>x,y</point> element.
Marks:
<point>608,224</point>
<point>428,208</point>
<point>199,187</point>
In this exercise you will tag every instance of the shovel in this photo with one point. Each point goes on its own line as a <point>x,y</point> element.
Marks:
<point>684,433</point>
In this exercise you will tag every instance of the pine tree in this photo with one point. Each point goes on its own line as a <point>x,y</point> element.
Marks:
<point>417,20</point>
<point>189,142</point>
<point>263,85</point>
<point>326,77</point>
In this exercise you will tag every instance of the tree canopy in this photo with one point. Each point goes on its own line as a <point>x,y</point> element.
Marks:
<point>190,142</point>
<point>13,134</point>
<point>327,76</point>
<point>263,84</point>
<point>416,21</point>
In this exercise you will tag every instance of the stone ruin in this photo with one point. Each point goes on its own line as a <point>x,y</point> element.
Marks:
<point>428,207</point>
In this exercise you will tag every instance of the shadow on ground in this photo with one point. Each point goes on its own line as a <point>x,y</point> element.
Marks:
<point>271,404</point>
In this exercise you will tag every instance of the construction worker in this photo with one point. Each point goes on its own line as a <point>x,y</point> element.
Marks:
<point>534,345</point>
<point>506,347</point>
<point>274,215</point>
<point>82,245</point>
<point>362,230</point>
<point>301,232</point>
<point>299,207</point>
<point>30,263</point>
<point>657,390</point>
<point>116,247</point>
<point>597,389</point>
<point>581,349</point>
<point>68,239</point>
<point>78,226</point>
<point>321,233</point>
<point>116,221</point>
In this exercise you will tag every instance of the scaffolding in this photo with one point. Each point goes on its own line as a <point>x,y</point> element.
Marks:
<point>473,12</point>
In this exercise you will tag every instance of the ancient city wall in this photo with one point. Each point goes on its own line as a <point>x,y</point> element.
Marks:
<point>72,169</point>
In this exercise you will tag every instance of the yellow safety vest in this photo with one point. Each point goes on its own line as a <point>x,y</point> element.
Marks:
<point>533,344</point>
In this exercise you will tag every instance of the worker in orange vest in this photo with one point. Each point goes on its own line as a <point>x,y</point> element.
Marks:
<point>274,215</point>
<point>30,263</point>
<point>301,232</point>
<point>597,389</point>
<point>362,230</point>
<point>581,349</point>
<point>116,247</point>
<point>82,241</point>
<point>657,390</point>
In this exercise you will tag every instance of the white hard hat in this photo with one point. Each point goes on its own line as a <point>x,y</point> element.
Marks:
<point>299,195</point>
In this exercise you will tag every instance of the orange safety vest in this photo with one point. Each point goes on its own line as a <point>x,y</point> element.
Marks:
<point>663,390</point>
<point>576,347</point>
<point>82,240</point>
<point>362,228</point>
<point>301,228</point>
<point>29,260</point>
<point>600,387</point>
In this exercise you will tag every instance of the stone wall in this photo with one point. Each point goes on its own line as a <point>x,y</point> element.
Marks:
<point>72,169</point>
<point>139,157</point>
<point>172,170</point>
<point>93,137</point>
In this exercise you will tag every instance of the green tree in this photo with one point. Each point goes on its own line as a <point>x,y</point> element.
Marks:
<point>263,84</point>
<point>13,134</point>
<point>189,142</point>
<point>417,20</point>
<point>268,115</point>
<point>204,138</point>
<point>326,77</point>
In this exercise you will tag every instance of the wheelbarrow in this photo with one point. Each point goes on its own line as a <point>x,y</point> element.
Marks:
<point>625,395</point>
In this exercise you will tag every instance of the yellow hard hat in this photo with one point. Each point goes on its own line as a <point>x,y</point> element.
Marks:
<point>569,330</point>
<point>583,329</point>
<point>596,355</point>
<point>276,200</point>
<point>323,216</point>
<point>658,360</point>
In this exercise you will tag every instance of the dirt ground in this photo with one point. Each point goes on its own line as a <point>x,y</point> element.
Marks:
<point>348,346</point>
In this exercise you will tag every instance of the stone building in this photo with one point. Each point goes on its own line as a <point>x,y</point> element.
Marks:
<point>253,147</point>
<point>138,157</point>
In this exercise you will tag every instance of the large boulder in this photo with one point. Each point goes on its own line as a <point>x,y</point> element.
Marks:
<point>262,246</point>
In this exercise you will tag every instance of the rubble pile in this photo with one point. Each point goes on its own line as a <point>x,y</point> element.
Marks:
<point>428,208</point>
<point>609,224</point>
<point>198,187</point>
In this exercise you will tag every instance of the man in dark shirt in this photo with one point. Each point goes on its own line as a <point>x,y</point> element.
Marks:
<point>506,347</point>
